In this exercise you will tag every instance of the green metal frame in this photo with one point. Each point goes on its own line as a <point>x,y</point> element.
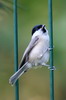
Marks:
<point>51,52</point>
<point>16,49</point>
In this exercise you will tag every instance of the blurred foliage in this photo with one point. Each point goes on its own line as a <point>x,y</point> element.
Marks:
<point>34,85</point>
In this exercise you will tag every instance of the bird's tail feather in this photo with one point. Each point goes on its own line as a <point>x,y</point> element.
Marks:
<point>15,76</point>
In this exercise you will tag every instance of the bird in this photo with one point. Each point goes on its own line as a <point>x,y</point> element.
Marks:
<point>36,53</point>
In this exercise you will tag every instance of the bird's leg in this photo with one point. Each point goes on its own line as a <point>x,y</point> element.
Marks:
<point>43,64</point>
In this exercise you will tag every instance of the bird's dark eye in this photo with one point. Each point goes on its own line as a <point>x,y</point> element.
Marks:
<point>43,29</point>
<point>37,27</point>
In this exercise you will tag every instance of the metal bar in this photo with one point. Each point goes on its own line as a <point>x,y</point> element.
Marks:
<point>16,49</point>
<point>51,52</point>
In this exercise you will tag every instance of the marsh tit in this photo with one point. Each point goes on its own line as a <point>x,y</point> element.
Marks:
<point>36,54</point>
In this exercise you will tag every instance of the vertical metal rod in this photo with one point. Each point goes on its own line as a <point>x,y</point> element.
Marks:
<point>16,49</point>
<point>51,52</point>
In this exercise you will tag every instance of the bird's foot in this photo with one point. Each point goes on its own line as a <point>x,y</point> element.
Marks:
<point>49,49</point>
<point>53,68</point>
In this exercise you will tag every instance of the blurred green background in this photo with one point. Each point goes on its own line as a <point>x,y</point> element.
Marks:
<point>34,85</point>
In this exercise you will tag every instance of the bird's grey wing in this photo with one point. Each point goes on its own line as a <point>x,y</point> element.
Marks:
<point>31,45</point>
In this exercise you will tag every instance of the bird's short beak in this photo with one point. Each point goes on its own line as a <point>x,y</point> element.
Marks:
<point>43,26</point>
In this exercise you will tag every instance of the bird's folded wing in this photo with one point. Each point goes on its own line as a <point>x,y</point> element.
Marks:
<point>31,45</point>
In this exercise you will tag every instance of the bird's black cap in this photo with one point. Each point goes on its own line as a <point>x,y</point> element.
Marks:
<point>37,27</point>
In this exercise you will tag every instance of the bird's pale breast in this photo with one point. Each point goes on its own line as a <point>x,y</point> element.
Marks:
<point>37,51</point>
